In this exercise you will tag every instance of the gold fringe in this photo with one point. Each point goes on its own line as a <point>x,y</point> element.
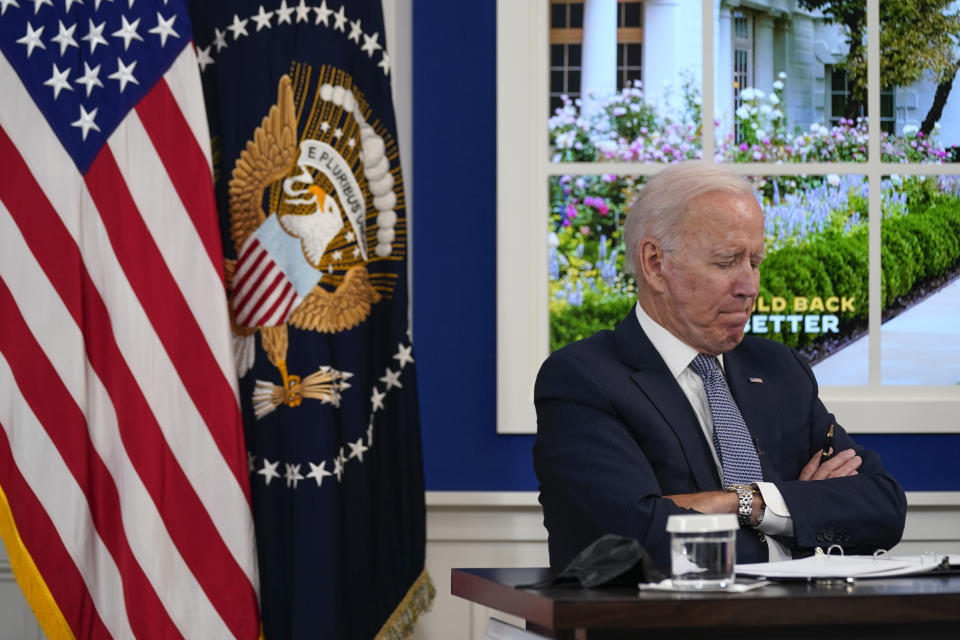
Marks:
<point>32,584</point>
<point>400,624</point>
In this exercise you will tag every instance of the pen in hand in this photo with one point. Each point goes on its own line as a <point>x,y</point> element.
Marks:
<point>825,453</point>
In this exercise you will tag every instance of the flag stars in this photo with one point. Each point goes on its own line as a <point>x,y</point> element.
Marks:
<point>403,355</point>
<point>355,31</point>
<point>124,74</point>
<point>164,28</point>
<point>70,3</point>
<point>292,475</point>
<point>338,463</point>
<point>86,122</point>
<point>262,19</point>
<point>6,3</point>
<point>128,32</point>
<point>58,81</point>
<point>31,39</point>
<point>284,13</point>
<point>323,14</point>
<point>351,143</point>
<point>251,462</point>
<point>204,58</point>
<point>303,12</point>
<point>318,472</point>
<point>269,471</point>
<point>357,449</point>
<point>65,37</point>
<point>340,20</point>
<point>337,133</point>
<point>90,78</point>
<point>376,399</point>
<point>337,255</point>
<point>39,3</point>
<point>385,63</point>
<point>239,27</point>
<point>392,379</point>
<point>324,126</point>
<point>370,432</point>
<point>350,237</point>
<point>219,39</point>
<point>95,35</point>
<point>371,44</point>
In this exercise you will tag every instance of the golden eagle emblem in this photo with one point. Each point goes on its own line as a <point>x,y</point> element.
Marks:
<point>330,194</point>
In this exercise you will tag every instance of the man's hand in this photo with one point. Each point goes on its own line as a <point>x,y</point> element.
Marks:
<point>841,465</point>
<point>716,502</point>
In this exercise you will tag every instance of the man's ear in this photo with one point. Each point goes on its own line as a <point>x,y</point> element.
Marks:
<point>650,265</point>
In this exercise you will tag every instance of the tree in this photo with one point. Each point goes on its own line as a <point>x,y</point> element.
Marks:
<point>915,36</point>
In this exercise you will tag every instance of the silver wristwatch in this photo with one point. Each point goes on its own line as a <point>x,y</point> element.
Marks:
<point>745,509</point>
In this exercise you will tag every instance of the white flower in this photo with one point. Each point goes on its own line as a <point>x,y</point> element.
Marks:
<point>774,100</point>
<point>910,130</point>
<point>765,109</point>
<point>553,240</point>
<point>778,85</point>
<point>895,179</point>
<point>749,93</point>
<point>782,75</point>
<point>743,112</point>
<point>776,115</point>
<point>833,180</point>
<point>761,134</point>
<point>759,94</point>
<point>565,140</point>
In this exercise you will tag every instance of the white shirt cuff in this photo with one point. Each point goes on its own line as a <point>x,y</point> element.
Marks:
<point>776,517</point>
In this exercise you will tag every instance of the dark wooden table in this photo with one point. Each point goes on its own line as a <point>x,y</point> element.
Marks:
<point>910,607</point>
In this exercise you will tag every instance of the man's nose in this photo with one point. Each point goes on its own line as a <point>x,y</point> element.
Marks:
<point>747,282</point>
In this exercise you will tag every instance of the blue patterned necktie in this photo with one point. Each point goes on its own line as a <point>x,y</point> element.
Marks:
<point>738,456</point>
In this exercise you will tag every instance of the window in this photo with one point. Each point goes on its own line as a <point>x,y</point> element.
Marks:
<point>859,170</point>
<point>566,47</point>
<point>840,92</point>
<point>742,60</point>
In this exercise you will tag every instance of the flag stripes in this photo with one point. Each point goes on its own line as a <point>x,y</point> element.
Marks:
<point>118,403</point>
<point>43,395</point>
<point>47,317</point>
<point>76,609</point>
<point>183,161</point>
<point>157,198</point>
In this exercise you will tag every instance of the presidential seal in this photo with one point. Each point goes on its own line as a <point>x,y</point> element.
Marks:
<point>314,258</point>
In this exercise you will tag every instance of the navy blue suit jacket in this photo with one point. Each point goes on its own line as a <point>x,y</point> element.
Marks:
<point>615,433</point>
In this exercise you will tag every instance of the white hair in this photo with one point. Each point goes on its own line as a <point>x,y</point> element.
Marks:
<point>663,202</point>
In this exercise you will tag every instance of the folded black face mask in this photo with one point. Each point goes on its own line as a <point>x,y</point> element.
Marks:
<point>609,560</point>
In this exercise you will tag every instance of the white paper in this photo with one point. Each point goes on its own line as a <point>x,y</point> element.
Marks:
<point>835,566</point>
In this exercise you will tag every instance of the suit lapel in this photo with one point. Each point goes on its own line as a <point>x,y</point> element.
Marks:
<point>655,381</point>
<point>758,409</point>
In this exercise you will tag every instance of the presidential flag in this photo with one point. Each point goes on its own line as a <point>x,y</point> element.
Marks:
<point>310,192</point>
<point>124,496</point>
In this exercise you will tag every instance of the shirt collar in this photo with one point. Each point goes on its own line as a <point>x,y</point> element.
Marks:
<point>675,353</point>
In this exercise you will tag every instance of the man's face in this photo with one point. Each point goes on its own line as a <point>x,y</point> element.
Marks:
<point>712,278</point>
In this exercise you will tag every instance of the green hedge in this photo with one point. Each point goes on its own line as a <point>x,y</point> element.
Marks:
<point>914,247</point>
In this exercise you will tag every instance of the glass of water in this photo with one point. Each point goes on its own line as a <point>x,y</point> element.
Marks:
<point>703,550</point>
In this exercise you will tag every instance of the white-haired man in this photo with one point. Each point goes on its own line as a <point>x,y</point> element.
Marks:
<point>675,410</point>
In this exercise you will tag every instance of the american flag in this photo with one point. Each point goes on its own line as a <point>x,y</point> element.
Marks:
<point>125,502</point>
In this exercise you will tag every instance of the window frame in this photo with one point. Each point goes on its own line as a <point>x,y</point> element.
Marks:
<point>523,169</point>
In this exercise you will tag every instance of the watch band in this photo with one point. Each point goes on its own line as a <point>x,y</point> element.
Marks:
<point>745,508</point>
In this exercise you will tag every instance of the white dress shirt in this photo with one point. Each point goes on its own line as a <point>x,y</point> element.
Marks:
<point>678,356</point>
